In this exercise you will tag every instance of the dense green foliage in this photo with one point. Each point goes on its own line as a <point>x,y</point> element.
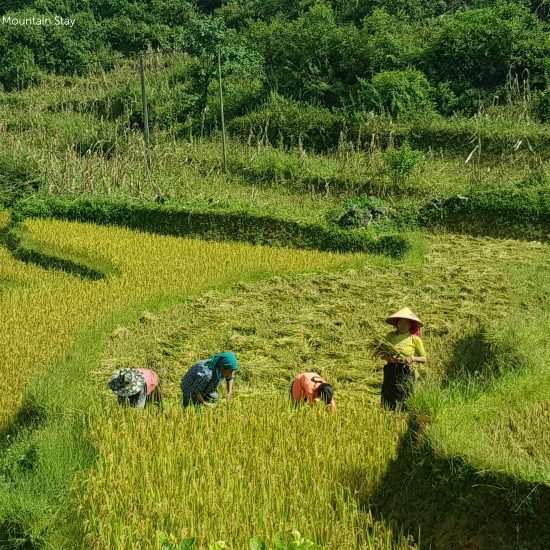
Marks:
<point>387,57</point>
<point>515,214</point>
<point>17,177</point>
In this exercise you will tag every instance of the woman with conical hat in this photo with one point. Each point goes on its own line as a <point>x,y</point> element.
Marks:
<point>398,374</point>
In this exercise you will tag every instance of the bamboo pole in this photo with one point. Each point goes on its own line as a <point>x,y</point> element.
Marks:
<point>145,118</point>
<point>222,114</point>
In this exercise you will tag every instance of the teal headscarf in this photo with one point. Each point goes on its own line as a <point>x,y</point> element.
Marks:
<point>226,360</point>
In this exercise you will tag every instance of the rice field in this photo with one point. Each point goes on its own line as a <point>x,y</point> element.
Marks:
<point>38,321</point>
<point>253,466</point>
<point>319,322</point>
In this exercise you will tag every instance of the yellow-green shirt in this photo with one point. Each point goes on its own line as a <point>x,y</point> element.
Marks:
<point>408,344</point>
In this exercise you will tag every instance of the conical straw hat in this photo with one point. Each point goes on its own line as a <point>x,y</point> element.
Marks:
<point>404,313</point>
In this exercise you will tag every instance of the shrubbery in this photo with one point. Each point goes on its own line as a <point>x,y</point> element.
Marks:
<point>18,177</point>
<point>541,106</point>
<point>396,93</point>
<point>304,73</point>
<point>476,48</point>
<point>19,69</point>
<point>218,225</point>
<point>290,123</point>
<point>518,214</point>
<point>401,161</point>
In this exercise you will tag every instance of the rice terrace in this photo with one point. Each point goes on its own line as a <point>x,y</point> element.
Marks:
<point>342,208</point>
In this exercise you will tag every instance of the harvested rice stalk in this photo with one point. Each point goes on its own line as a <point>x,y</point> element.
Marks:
<point>381,348</point>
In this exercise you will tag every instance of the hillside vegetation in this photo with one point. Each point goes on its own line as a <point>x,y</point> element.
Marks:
<point>379,153</point>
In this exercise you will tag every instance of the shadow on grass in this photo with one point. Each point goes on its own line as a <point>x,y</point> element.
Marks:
<point>13,530</point>
<point>449,505</point>
<point>28,417</point>
<point>13,536</point>
<point>472,357</point>
<point>10,237</point>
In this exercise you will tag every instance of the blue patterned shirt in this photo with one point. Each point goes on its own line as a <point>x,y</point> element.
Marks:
<point>199,379</point>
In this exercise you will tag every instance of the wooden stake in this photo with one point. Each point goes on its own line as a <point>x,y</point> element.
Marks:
<point>145,118</point>
<point>221,110</point>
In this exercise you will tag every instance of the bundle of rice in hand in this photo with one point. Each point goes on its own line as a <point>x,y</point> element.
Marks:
<point>380,348</point>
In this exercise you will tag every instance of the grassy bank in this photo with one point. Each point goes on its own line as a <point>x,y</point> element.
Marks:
<point>61,137</point>
<point>498,424</point>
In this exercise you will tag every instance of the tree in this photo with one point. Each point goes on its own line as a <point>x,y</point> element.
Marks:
<point>312,58</point>
<point>478,47</point>
<point>396,93</point>
<point>390,42</point>
<point>203,38</point>
<point>18,69</point>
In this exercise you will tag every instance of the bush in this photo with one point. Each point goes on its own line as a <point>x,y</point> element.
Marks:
<point>18,69</point>
<point>240,95</point>
<point>541,106</point>
<point>290,123</point>
<point>18,177</point>
<point>396,93</point>
<point>311,57</point>
<point>476,48</point>
<point>401,161</point>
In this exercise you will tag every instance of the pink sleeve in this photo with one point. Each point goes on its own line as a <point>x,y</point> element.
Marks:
<point>151,379</point>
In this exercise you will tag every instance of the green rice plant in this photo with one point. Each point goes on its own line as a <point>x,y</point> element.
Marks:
<point>280,485</point>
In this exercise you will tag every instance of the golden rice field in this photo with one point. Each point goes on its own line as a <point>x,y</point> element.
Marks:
<point>289,468</point>
<point>42,318</point>
<point>253,466</point>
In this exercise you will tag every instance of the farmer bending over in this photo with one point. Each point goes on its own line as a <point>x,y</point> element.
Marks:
<point>398,376</point>
<point>200,383</point>
<point>310,387</point>
<point>135,387</point>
